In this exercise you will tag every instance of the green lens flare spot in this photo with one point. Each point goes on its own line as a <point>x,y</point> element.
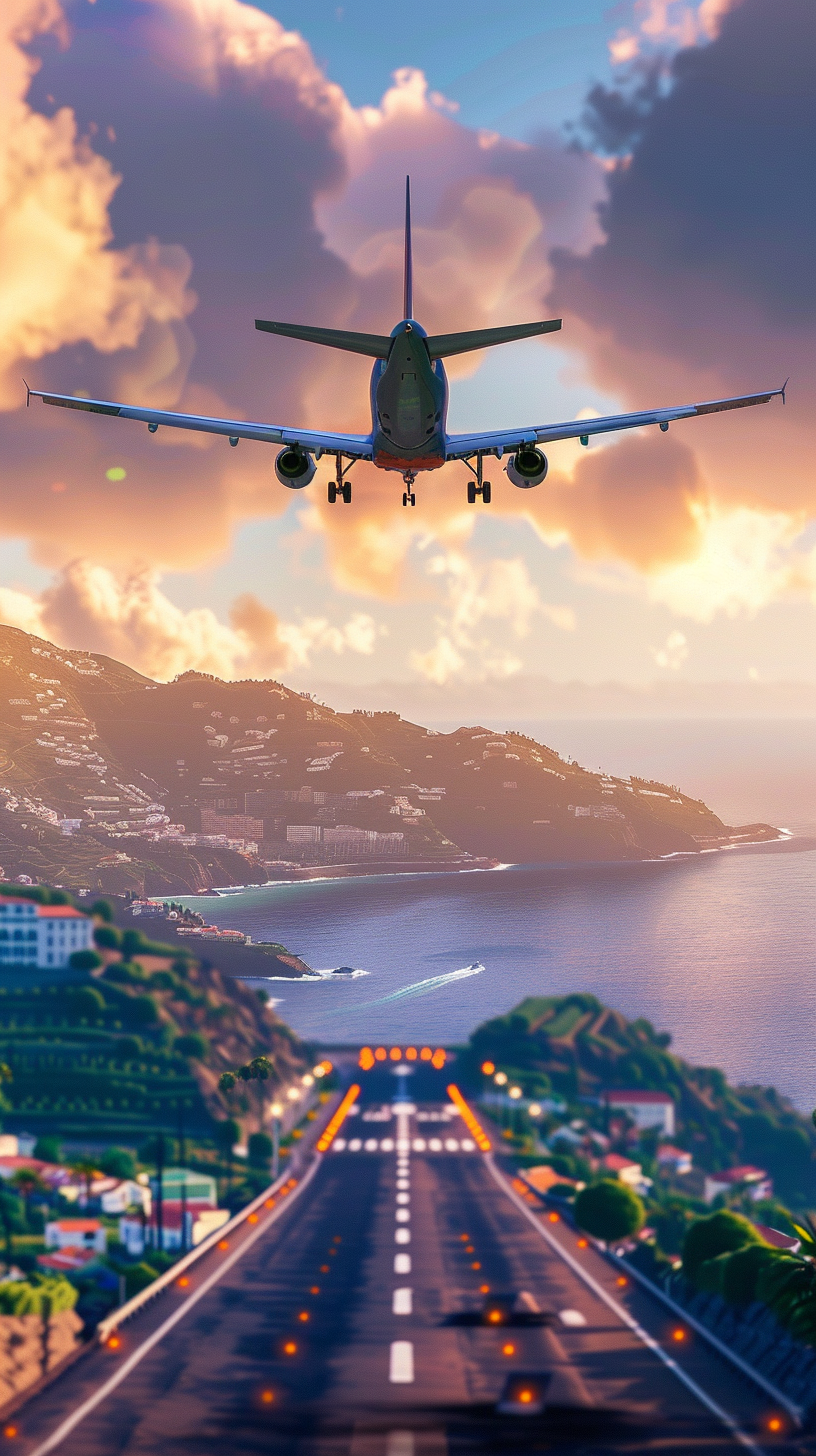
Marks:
<point>116,472</point>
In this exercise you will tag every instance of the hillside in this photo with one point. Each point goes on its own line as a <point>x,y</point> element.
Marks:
<point>576,1046</point>
<point>113,782</point>
<point>120,1051</point>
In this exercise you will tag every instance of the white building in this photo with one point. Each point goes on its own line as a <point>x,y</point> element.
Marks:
<point>753,1181</point>
<point>646,1109</point>
<point>76,1233</point>
<point>41,936</point>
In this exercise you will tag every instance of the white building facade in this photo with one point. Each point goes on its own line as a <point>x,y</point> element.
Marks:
<point>41,936</point>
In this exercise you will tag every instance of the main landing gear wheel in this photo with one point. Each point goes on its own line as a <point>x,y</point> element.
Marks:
<point>471,493</point>
<point>483,490</point>
<point>486,493</point>
<point>347,492</point>
<point>332,492</point>
<point>409,498</point>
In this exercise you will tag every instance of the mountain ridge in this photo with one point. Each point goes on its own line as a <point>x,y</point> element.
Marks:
<point>111,781</point>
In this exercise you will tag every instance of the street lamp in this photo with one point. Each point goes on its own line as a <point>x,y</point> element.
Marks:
<point>515,1093</point>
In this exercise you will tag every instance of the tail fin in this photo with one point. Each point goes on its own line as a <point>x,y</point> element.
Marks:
<point>408,291</point>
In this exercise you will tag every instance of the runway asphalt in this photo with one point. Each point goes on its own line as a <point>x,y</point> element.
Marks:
<point>348,1322</point>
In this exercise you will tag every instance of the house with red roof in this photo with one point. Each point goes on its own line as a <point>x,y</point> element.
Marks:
<point>746,1178</point>
<point>41,936</point>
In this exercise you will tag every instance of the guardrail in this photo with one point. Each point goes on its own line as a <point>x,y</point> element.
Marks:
<point>270,1197</point>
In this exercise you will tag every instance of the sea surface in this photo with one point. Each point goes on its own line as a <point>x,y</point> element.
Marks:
<point>719,949</point>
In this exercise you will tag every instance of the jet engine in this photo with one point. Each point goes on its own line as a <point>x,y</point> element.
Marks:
<point>528,467</point>
<point>294,468</point>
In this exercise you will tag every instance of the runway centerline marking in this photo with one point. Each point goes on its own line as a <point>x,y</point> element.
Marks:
<point>401,1363</point>
<point>403,1301</point>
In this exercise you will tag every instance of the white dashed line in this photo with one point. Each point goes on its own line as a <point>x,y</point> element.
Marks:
<point>572,1318</point>
<point>402,1302</point>
<point>402,1263</point>
<point>401,1364</point>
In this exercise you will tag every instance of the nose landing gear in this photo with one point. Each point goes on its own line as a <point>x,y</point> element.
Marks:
<point>409,495</point>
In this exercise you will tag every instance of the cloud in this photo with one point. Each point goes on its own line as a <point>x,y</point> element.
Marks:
<point>131,619</point>
<point>477,596</point>
<point>673,653</point>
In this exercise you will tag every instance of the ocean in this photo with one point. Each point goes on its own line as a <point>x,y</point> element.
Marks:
<point>717,949</point>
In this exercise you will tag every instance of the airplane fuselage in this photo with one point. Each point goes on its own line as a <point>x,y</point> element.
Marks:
<point>409,404</point>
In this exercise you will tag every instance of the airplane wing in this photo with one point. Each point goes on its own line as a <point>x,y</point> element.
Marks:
<point>498,441</point>
<point>314,442</point>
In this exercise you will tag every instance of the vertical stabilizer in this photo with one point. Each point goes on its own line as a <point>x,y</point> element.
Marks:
<point>408,293</point>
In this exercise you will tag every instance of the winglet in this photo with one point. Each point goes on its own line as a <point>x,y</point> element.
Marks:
<point>784,387</point>
<point>28,393</point>
<point>408,289</point>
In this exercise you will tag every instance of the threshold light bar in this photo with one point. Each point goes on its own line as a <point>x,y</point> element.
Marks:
<point>471,1122</point>
<point>327,1137</point>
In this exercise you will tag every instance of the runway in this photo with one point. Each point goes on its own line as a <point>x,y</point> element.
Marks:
<point>348,1322</point>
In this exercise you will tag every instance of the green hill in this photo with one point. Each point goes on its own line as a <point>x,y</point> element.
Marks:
<point>576,1046</point>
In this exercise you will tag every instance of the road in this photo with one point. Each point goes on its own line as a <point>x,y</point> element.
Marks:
<point>344,1323</point>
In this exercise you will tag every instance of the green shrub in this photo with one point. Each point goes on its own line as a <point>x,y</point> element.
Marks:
<point>609,1210</point>
<point>86,1000</point>
<point>46,1296</point>
<point>118,1163</point>
<point>85,960</point>
<point>137,1278</point>
<point>192,1044</point>
<point>788,1286</point>
<point>743,1269</point>
<point>47,1148</point>
<point>163,981</point>
<point>719,1233</point>
<point>124,973</point>
<point>107,937</point>
<point>259,1148</point>
<point>142,1011</point>
<point>103,910</point>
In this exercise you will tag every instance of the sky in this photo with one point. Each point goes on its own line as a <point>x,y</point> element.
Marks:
<point>171,169</point>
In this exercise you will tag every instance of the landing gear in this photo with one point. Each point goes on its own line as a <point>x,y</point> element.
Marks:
<point>478,486</point>
<point>340,488</point>
<point>409,496</point>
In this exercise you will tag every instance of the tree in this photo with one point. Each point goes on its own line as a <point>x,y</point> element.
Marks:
<point>87,1171</point>
<point>259,1148</point>
<point>118,1163</point>
<point>103,910</point>
<point>27,1181</point>
<point>719,1233</point>
<point>47,1148</point>
<point>609,1210</point>
<point>85,960</point>
<point>192,1044</point>
<point>107,937</point>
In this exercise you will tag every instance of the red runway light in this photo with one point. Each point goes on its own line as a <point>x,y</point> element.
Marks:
<point>488,1068</point>
<point>183,1282</point>
<point>270,1203</point>
<point>267,1396</point>
<point>114,1342</point>
<point>223,1244</point>
<point>10,1432</point>
<point>252,1218</point>
<point>583,1243</point>
<point>475,1264</point>
<point>470,1249</point>
<point>553,1217</point>
<point>338,1239</point>
<point>508,1349</point>
<point>525,1397</point>
<point>324,1268</point>
<point>775,1425</point>
<point>678,1335</point>
<point>621,1282</point>
<point>315,1289</point>
<point>303,1316</point>
<point>290,1348</point>
<point>484,1288</point>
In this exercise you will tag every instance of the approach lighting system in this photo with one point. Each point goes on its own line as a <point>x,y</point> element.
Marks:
<point>488,1068</point>
<point>367,1058</point>
<point>381,1054</point>
<point>500,1079</point>
<point>396,1054</point>
<point>471,1122</point>
<point>411,1054</point>
<point>524,1395</point>
<point>426,1054</point>
<point>330,1133</point>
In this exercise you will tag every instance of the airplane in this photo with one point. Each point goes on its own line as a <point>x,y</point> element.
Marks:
<point>409,404</point>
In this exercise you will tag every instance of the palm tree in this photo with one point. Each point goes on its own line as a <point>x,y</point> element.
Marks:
<point>27,1181</point>
<point>87,1171</point>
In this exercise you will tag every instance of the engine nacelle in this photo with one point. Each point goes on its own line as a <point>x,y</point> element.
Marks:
<point>294,468</point>
<point>528,467</point>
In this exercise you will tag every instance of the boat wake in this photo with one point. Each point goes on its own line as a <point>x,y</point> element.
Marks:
<point>417,988</point>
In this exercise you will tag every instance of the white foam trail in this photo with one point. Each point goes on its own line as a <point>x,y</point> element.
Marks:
<point>417,988</point>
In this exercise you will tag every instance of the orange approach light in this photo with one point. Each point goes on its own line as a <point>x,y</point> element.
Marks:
<point>410,1054</point>
<point>488,1068</point>
<point>396,1054</point>
<point>426,1054</point>
<point>438,1059</point>
<point>331,1131</point>
<point>472,1123</point>
<point>366,1059</point>
<point>267,1397</point>
<point>381,1054</point>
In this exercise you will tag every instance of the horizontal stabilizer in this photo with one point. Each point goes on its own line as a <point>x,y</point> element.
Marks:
<point>440,346</point>
<point>375,345</point>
